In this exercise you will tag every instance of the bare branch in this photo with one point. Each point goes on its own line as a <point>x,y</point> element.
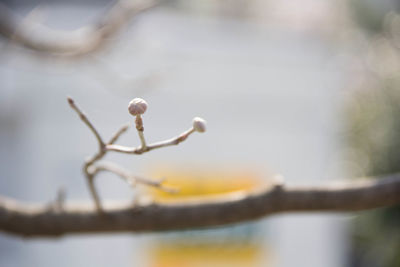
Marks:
<point>140,130</point>
<point>173,141</point>
<point>83,117</point>
<point>87,167</point>
<point>115,137</point>
<point>76,43</point>
<point>139,150</point>
<point>130,178</point>
<point>37,220</point>
<point>137,107</point>
<point>93,191</point>
<point>113,168</point>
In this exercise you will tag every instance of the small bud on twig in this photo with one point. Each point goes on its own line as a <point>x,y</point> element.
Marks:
<point>91,168</point>
<point>199,125</point>
<point>137,106</point>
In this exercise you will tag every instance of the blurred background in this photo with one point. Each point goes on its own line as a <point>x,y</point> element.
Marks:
<point>307,89</point>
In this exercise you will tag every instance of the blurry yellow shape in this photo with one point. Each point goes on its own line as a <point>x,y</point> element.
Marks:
<point>195,183</point>
<point>209,255</point>
<point>226,248</point>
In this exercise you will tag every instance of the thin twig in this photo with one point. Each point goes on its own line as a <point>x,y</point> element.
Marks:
<point>91,169</point>
<point>99,155</point>
<point>173,141</point>
<point>132,179</point>
<point>138,150</point>
<point>115,137</point>
<point>143,145</point>
<point>88,169</point>
<point>140,130</point>
<point>83,117</point>
<point>58,203</point>
<point>60,198</point>
<point>113,168</point>
<point>95,195</point>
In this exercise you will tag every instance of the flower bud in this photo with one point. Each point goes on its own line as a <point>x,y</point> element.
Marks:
<point>137,106</point>
<point>199,125</point>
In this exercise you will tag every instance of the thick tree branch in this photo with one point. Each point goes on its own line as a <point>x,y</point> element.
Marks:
<point>40,220</point>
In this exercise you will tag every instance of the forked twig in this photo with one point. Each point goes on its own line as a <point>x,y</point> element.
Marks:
<point>131,179</point>
<point>91,168</point>
<point>140,150</point>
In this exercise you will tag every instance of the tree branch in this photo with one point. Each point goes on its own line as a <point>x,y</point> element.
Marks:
<point>131,179</point>
<point>142,149</point>
<point>86,121</point>
<point>40,220</point>
<point>90,169</point>
<point>76,43</point>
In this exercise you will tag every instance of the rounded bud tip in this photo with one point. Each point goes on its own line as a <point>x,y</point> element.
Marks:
<point>137,106</point>
<point>199,125</point>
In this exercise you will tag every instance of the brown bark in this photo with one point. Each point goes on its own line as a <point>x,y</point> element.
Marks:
<point>41,220</point>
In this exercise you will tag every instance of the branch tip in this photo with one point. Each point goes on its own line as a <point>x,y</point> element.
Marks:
<point>70,101</point>
<point>137,106</point>
<point>199,124</point>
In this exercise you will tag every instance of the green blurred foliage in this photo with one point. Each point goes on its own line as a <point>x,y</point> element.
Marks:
<point>375,129</point>
<point>369,14</point>
<point>374,135</point>
<point>373,126</point>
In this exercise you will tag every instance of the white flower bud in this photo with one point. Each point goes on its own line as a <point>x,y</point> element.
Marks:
<point>137,106</point>
<point>199,125</point>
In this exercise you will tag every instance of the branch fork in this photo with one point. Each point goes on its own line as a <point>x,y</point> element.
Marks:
<point>137,107</point>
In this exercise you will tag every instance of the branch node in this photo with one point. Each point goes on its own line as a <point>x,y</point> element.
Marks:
<point>279,181</point>
<point>58,204</point>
